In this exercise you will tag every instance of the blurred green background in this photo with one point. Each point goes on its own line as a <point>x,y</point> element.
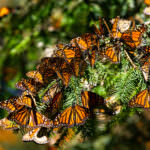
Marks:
<point>32,30</point>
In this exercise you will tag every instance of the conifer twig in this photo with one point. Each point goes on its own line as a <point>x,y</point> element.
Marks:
<point>128,57</point>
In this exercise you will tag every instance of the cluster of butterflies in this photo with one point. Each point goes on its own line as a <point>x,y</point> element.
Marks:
<point>72,60</point>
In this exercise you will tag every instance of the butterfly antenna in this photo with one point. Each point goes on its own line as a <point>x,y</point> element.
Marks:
<point>128,57</point>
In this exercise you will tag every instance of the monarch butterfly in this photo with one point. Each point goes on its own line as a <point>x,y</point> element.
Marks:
<point>64,73</point>
<point>73,115</point>
<point>141,99</point>
<point>85,42</point>
<point>133,38</point>
<point>29,117</point>
<point>29,85</point>
<point>33,136</point>
<point>7,124</point>
<point>147,2</point>
<point>77,64</point>
<point>51,92</point>
<point>36,75</point>
<point>145,68</point>
<point>112,53</point>
<point>10,105</point>
<point>78,67</point>
<point>67,52</point>
<point>45,69</point>
<point>91,100</point>
<point>4,11</point>
<point>55,105</point>
<point>26,99</point>
<point>61,67</point>
<point>82,43</point>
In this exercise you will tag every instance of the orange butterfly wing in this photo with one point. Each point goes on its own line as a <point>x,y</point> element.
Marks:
<point>82,44</point>
<point>92,57</point>
<point>147,2</point>
<point>26,99</point>
<point>29,85</point>
<point>141,100</point>
<point>27,117</point>
<point>10,105</point>
<point>51,92</point>
<point>78,67</point>
<point>85,42</point>
<point>45,69</point>
<point>60,46</point>
<point>64,75</point>
<point>91,100</point>
<point>77,64</point>
<point>60,67</point>
<point>113,54</point>
<point>74,115</point>
<point>133,38</point>
<point>63,71</point>
<point>55,105</point>
<point>68,53</point>
<point>115,33</point>
<point>36,75</point>
<point>145,69</point>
